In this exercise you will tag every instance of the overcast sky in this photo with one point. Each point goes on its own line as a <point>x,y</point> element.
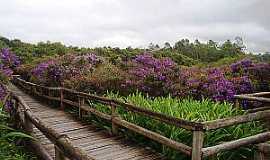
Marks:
<point>136,23</point>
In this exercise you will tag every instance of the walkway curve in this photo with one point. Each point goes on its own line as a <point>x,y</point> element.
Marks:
<point>94,141</point>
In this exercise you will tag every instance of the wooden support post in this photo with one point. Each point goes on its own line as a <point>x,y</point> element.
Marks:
<point>114,115</point>
<point>62,99</point>
<point>28,126</point>
<point>58,154</point>
<point>16,114</point>
<point>259,155</point>
<point>197,145</point>
<point>34,90</point>
<point>262,151</point>
<point>81,103</point>
<point>236,103</point>
<point>49,94</point>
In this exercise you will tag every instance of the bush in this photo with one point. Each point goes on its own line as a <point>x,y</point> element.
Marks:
<point>191,110</point>
<point>105,77</point>
<point>153,76</point>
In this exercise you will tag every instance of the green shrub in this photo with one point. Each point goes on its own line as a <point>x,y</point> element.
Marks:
<point>106,76</point>
<point>191,110</point>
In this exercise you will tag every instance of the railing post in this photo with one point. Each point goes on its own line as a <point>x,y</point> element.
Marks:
<point>197,145</point>
<point>34,91</point>
<point>237,103</point>
<point>49,94</point>
<point>81,103</point>
<point>61,99</point>
<point>16,113</point>
<point>262,152</point>
<point>58,154</point>
<point>28,126</point>
<point>114,115</point>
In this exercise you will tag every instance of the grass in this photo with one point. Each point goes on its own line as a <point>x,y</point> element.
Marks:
<point>191,110</point>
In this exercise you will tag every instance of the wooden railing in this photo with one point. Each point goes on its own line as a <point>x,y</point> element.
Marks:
<point>263,149</point>
<point>262,97</point>
<point>26,120</point>
<point>198,129</point>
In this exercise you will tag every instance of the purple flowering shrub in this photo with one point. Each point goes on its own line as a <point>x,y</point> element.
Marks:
<point>8,62</point>
<point>150,75</point>
<point>9,59</point>
<point>255,76</point>
<point>206,83</point>
<point>154,76</point>
<point>218,87</point>
<point>260,75</point>
<point>221,84</point>
<point>54,72</point>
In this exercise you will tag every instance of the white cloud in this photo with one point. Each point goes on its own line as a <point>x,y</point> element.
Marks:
<point>136,23</point>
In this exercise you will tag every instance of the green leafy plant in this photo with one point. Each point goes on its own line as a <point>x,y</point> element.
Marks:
<point>189,109</point>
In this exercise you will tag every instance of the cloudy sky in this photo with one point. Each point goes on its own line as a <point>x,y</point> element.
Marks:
<point>136,23</point>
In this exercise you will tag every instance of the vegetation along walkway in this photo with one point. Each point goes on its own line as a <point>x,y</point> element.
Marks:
<point>95,142</point>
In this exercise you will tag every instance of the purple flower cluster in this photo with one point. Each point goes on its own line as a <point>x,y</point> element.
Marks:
<point>218,87</point>
<point>146,65</point>
<point>242,84</point>
<point>54,72</point>
<point>92,58</point>
<point>8,62</point>
<point>2,92</point>
<point>41,68</point>
<point>260,75</point>
<point>150,74</point>
<point>241,65</point>
<point>9,59</point>
<point>214,83</point>
<point>5,71</point>
<point>89,58</point>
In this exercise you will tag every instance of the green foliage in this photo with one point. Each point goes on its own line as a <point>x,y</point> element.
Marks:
<point>191,110</point>
<point>182,52</point>
<point>176,57</point>
<point>8,138</point>
<point>105,76</point>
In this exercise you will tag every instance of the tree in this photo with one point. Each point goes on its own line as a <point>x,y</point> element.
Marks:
<point>151,46</point>
<point>167,45</point>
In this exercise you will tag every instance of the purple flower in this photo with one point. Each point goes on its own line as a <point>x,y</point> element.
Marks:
<point>2,92</point>
<point>41,68</point>
<point>9,59</point>
<point>241,65</point>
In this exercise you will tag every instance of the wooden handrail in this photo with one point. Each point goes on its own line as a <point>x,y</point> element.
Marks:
<point>198,128</point>
<point>61,141</point>
<point>252,98</point>
<point>225,122</point>
<point>262,137</point>
<point>178,122</point>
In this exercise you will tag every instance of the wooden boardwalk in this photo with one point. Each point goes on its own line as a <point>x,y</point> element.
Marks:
<point>94,141</point>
